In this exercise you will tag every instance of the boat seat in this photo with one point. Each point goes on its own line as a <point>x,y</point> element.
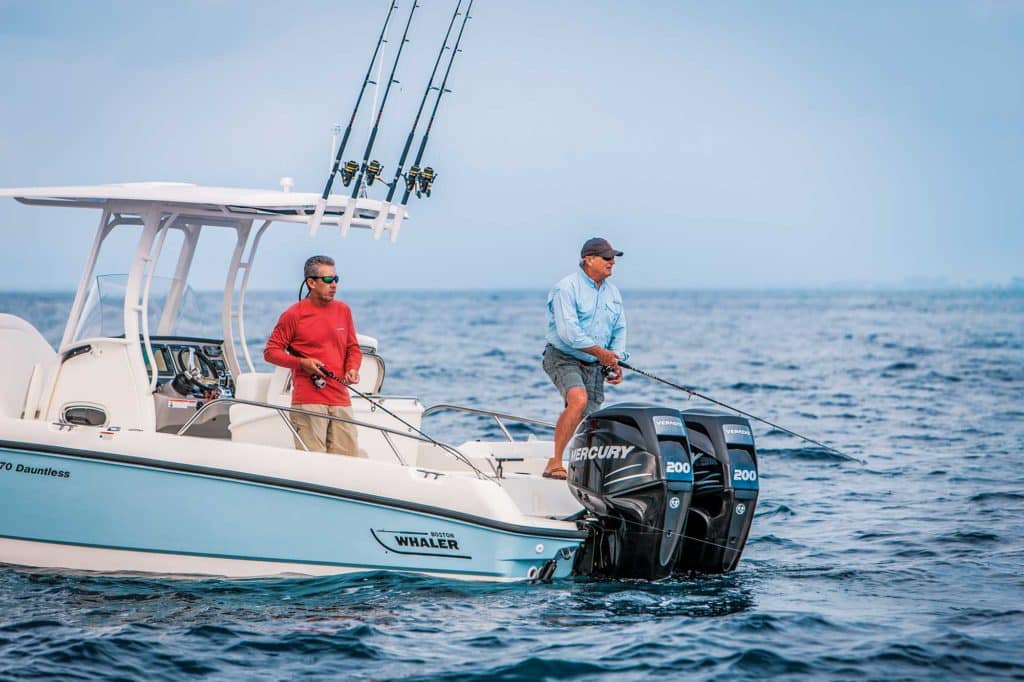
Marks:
<point>252,386</point>
<point>371,374</point>
<point>26,363</point>
<point>371,369</point>
<point>252,424</point>
<point>279,388</point>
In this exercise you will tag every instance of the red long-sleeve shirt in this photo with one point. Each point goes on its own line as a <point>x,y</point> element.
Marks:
<point>326,333</point>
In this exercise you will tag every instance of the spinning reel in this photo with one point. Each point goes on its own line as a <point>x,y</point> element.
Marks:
<point>373,169</point>
<point>426,181</point>
<point>420,181</point>
<point>348,172</point>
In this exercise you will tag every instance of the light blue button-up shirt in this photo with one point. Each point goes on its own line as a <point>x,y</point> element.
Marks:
<point>581,314</point>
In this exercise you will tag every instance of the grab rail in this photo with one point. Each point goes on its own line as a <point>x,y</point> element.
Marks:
<point>281,409</point>
<point>497,416</point>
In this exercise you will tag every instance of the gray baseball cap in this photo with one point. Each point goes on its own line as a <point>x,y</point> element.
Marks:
<point>598,246</point>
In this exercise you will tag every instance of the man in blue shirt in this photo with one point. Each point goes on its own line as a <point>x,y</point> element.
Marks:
<point>586,333</point>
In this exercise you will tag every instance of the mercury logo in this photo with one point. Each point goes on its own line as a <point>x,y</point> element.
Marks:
<point>601,452</point>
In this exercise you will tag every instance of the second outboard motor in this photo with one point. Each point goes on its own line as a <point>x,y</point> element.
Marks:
<point>629,465</point>
<point>725,490</point>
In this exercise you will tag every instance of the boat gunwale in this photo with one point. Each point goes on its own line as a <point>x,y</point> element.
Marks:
<point>301,486</point>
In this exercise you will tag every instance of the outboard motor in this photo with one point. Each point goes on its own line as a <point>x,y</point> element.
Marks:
<point>629,465</point>
<point>725,491</point>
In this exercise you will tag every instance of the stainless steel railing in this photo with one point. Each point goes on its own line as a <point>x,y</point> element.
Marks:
<point>497,416</point>
<point>281,410</point>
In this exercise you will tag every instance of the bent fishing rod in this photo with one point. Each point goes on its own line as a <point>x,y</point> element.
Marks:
<point>371,169</point>
<point>423,102</point>
<point>334,377</point>
<point>739,411</point>
<point>426,177</point>
<point>322,204</point>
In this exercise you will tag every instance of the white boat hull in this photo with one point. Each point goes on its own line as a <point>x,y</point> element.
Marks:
<point>242,511</point>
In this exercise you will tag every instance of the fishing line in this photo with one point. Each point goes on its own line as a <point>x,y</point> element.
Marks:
<point>739,411</point>
<point>371,169</point>
<point>447,448</point>
<point>425,177</point>
<point>322,204</point>
<point>416,121</point>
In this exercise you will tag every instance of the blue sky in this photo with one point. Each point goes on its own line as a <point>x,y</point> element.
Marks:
<point>736,144</point>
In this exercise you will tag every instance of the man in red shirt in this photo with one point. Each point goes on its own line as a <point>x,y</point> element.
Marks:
<point>321,332</point>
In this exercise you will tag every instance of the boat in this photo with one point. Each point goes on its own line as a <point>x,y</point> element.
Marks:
<point>141,445</point>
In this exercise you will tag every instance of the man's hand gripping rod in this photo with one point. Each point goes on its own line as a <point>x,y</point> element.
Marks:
<point>447,448</point>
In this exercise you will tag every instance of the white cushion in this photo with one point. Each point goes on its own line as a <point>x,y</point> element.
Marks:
<point>22,350</point>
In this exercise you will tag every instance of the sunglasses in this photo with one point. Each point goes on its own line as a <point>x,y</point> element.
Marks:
<point>327,279</point>
<point>607,258</point>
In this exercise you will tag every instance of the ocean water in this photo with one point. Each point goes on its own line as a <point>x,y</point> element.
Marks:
<point>908,566</point>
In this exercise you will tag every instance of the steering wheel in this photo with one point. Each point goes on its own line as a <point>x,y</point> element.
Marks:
<point>189,380</point>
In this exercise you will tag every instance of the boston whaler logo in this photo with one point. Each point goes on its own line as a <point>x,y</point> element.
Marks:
<point>601,452</point>
<point>428,543</point>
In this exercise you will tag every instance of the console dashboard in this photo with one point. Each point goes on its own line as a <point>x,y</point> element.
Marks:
<point>175,354</point>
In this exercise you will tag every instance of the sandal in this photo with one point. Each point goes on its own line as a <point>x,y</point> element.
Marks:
<point>558,473</point>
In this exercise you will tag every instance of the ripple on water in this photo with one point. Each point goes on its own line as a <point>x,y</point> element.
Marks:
<point>770,509</point>
<point>900,367</point>
<point>893,570</point>
<point>998,496</point>
<point>809,453</point>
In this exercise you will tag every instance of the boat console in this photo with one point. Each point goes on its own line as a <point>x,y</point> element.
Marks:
<point>174,355</point>
<point>190,372</point>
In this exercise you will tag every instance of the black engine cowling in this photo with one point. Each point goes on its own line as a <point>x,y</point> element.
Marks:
<point>629,465</point>
<point>725,490</point>
<point>652,511</point>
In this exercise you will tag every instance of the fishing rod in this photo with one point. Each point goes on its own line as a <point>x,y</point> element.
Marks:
<point>331,375</point>
<point>416,121</point>
<point>346,175</point>
<point>447,448</point>
<point>734,409</point>
<point>371,169</point>
<point>423,180</point>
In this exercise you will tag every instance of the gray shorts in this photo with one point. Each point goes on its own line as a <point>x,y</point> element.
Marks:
<point>567,372</point>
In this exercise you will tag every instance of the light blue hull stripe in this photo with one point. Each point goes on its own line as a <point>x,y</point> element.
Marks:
<point>105,501</point>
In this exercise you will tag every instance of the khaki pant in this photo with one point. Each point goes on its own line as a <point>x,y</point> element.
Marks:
<point>326,435</point>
